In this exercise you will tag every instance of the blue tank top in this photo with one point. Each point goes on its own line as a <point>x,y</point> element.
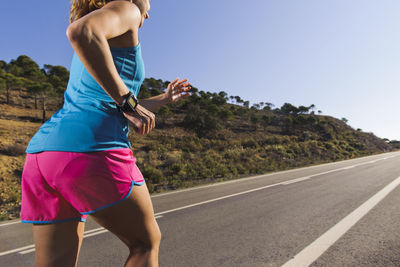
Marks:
<point>89,120</point>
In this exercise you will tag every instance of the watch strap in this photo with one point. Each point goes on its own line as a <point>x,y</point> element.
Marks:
<point>129,103</point>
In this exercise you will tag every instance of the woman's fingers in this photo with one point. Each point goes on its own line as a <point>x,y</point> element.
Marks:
<point>174,83</point>
<point>141,131</point>
<point>181,82</point>
<point>142,119</point>
<point>153,120</point>
<point>137,122</point>
<point>181,87</point>
<point>177,83</point>
<point>147,124</point>
<point>186,84</point>
<point>150,118</point>
<point>177,88</point>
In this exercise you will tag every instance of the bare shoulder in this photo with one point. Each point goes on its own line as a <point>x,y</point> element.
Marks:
<point>114,19</point>
<point>124,8</point>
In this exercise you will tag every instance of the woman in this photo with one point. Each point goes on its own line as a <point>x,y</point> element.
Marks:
<point>80,161</point>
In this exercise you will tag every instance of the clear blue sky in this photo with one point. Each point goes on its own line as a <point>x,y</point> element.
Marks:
<point>343,56</point>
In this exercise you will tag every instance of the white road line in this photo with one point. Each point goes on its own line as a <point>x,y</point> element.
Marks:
<point>319,174</point>
<point>5,224</point>
<point>269,174</point>
<point>95,233</point>
<point>159,214</point>
<point>93,230</point>
<point>16,250</point>
<point>348,168</point>
<point>253,190</point>
<point>27,251</point>
<point>88,233</point>
<point>296,180</point>
<point>312,252</point>
<point>216,199</point>
<point>259,188</point>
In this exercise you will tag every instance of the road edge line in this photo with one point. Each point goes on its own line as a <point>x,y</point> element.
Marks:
<point>313,251</point>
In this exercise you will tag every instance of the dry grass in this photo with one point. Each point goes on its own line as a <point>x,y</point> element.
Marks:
<point>10,186</point>
<point>14,136</point>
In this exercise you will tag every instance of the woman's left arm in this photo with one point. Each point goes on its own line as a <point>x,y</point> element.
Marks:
<point>176,90</point>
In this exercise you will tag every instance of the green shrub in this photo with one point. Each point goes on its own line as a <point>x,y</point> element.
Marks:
<point>177,167</point>
<point>200,122</point>
<point>249,143</point>
<point>156,176</point>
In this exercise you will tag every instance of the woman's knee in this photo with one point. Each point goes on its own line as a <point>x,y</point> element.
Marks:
<point>152,242</point>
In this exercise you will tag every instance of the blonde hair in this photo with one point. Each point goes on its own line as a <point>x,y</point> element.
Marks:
<point>80,8</point>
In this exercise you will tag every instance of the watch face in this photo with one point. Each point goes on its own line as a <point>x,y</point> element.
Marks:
<point>132,102</point>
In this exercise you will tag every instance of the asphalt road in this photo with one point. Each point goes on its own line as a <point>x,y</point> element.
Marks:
<point>339,214</point>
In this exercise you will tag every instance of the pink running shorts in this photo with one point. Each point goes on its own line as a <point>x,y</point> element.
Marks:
<point>66,186</point>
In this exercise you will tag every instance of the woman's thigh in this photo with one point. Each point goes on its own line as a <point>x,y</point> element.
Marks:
<point>57,244</point>
<point>132,220</point>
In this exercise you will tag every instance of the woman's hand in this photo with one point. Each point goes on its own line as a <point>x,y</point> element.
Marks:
<point>177,90</point>
<point>143,120</point>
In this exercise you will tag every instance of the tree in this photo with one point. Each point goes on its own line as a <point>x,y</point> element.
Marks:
<point>266,121</point>
<point>164,112</point>
<point>345,120</point>
<point>223,95</point>
<point>2,80</point>
<point>205,95</point>
<point>25,67</point>
<point>42,90</point>
<point>9,82</point>
<point>58,76</point>
<point>225,115</point>
<point>256,106</point>
<point>3,84</point>
<point>268,106</point>
<point>193,90</point>
<point>212,109</point>
<point>304,110</point>
<point>144,92</point>
<point>14,70</point>
<point>220,98</point>
<point>255,120</point>
<point>3,65</point>
<point>48,91</point>
<point>288,108</point>
<point>238,100</point>
<point>288,126</point>
<point>154,84</point>
<point>34,89</point>
<point>200,122</point>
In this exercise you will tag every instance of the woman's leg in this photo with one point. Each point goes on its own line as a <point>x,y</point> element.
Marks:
<point>58,244</point>
<point>132,221</point>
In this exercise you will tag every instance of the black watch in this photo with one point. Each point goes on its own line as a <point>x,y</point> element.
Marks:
<point>129,103</point>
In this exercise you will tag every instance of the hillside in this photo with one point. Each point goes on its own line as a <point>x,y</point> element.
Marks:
<point>206,138</point>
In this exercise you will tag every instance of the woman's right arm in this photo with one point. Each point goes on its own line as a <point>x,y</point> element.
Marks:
<point>88,37</point>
